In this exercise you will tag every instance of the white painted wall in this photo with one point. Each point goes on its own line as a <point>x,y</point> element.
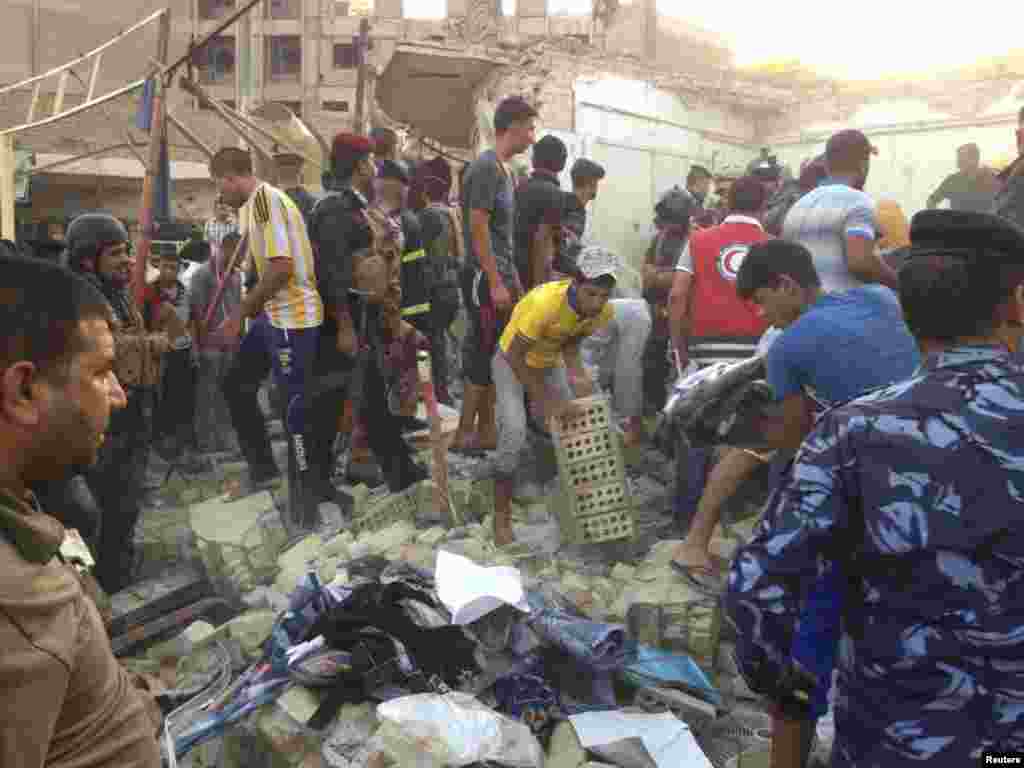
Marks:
<point>647,139</point>
<point>916,144</point>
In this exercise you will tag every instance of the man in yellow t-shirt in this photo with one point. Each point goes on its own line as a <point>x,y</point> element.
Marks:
<point>285,312</point>
<point>539,356</point>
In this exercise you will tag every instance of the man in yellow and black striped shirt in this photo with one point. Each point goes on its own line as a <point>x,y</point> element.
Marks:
<point>286,312</point>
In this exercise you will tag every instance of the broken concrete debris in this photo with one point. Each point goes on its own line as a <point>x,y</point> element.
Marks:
<point>244,549</point>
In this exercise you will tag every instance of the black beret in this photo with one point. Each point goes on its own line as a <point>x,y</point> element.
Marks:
<point>937,230</point>
<point>587,169</point>
<point>392,169</point>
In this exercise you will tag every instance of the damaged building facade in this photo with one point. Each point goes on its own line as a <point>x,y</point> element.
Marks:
<point>645,95</point>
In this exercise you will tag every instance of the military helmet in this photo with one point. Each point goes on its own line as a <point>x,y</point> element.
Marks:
<point>676,206</point>
<point>87,236</point>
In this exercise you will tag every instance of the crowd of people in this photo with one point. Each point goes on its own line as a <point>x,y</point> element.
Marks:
<point>886,559</point>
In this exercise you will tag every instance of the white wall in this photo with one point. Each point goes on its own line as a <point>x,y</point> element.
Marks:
<point>647,139</point>
<point>916,143</point>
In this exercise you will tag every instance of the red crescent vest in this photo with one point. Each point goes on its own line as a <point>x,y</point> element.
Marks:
<point>717,252</point>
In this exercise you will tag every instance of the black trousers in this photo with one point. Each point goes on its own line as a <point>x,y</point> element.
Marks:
<point>334,373</point>
<point>433,325</point>
<point>175,416</point>
<point>656,374</point>
<point>116,483</point>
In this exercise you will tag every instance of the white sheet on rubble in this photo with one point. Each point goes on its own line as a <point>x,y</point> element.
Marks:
<point>667,739</point>
<point>471,591</point>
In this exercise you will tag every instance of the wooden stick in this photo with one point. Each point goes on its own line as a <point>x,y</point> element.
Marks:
<point>187,133</point>
<point>157,127</point>
<point>80,59</point>
<point>439,466</point>
<point>7,169</point>
<point>77,158</point>
<point>197,90</point>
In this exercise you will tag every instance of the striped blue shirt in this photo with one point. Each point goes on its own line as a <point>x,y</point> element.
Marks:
<point>821,221</point>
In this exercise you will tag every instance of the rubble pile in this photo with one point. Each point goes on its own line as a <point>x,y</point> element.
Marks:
<point>665,654</point>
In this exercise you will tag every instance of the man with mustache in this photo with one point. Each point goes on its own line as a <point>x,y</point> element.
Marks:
<point>66,699</point>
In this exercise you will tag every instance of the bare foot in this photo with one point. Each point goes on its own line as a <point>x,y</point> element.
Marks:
<point>694,557</point>
<point>631,438</point>
<point>503,535</point>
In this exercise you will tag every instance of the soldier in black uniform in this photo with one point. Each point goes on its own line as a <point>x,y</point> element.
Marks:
<point>341,227</point>
<point>417,274</point>
<point>99,248</point>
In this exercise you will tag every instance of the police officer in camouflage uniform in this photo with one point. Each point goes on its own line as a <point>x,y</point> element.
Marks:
<point>916,491</point>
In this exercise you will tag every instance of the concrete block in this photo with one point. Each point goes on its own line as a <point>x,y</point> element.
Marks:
<point>294,563</point>
<point>338,546</point>
<point>389,539</point>
<point>432,536</point>
<point>564,749</point>
<point>346,743</point>
<point>249,630</point>
<point>239,541</point>
<point>623,572</point>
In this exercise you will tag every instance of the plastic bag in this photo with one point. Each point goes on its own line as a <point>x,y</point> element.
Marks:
<point>454,730</point>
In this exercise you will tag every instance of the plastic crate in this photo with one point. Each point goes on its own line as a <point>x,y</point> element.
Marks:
<point>594,502</point>
<point>387,510</point>
<point>600,499</point>
<point>607,527</point>
<point>596,417</point>
<point>586,446</point>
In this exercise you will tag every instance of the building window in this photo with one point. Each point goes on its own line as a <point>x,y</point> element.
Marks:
<point>210,10</point>
<point>345,56</point>
<point>341,8</point>
<point>216,60</point>
<point>336,106</point>
<point>284,57</point>
<point>284,9</point>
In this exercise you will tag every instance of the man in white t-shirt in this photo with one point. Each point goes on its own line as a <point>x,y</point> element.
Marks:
<point>838,222</point>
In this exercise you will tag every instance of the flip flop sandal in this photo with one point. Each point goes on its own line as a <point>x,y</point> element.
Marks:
<point>248,487</point>
<point>699,578</point>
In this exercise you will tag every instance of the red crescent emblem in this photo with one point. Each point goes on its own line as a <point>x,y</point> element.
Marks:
<point>730,258</point>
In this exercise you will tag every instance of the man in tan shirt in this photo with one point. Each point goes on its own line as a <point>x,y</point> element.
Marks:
<point>64,698</point>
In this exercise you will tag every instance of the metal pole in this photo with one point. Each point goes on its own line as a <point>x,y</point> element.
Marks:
<point>7,168</point>
<point>363,50</point>
<point>156,135</point>
<point>231,119</point>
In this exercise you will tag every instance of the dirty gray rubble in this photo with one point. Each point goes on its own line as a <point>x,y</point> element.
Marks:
<point>188,533</point>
